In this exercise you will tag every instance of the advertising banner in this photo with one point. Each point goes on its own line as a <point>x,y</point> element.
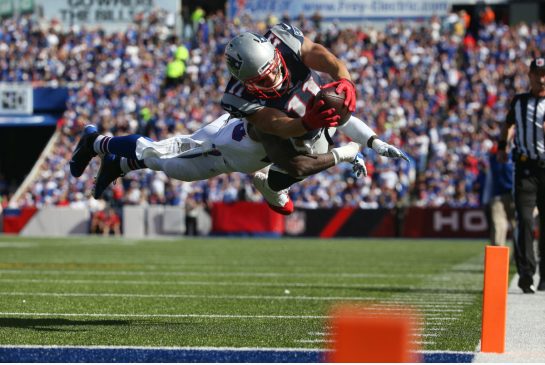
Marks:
<point>342,222</point>
<point>445,223</point>
<point>342,10</point>
<point>15,99</point>
<point>246,218</point>
<point>112,15</point>
<point>408,223</point>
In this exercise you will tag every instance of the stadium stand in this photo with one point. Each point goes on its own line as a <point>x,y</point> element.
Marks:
<point>437,94</point>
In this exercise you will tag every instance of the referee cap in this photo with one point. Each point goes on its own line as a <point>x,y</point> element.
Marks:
<point>538,64</point>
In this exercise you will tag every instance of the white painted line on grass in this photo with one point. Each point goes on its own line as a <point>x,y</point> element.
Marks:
<point>209,348</point>
<point>210,283</point>
<point>132,315</point>
<point>215,274</point>
<point>320,340</point>
<point>202,348</point>
<point>7,244</point>
<point>416,333</point>
<point>369,308</point>
<point>425,308</point>
<point>117,315</point>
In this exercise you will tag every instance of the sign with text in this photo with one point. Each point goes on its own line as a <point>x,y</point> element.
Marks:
<point>349,10</point>
<point>445,223</point>
<point>109,14</point>
<point>15,99</point>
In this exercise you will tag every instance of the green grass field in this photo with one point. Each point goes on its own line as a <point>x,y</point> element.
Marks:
<point>229,292</point>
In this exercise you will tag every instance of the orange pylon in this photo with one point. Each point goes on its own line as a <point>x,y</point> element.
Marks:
<point>374,333</point>
<point>496,283</point>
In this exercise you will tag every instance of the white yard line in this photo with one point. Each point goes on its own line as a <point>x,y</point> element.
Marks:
<point>197,273</point>
<point>319,340</point>
<point>117,315</point>
<point>389,307</point>
<point>327,334</point>
<point>204,283</point>
<point>331,341</point>
<point>133,315</point>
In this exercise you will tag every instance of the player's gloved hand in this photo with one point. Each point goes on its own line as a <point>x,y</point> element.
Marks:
<point>358,166</point>
<point>316,118</point>
<point>345,86</point>
<point>386,150</point>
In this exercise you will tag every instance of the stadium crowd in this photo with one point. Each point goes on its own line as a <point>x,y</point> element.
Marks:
<point>434,89</point>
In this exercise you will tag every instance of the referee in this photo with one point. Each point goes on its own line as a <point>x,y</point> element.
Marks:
<point>527,115</point>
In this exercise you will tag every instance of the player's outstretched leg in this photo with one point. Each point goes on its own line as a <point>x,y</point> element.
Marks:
<point>110,170</point>
<point>84,151</point>
<point>112,167</point>
<point>279,201</point>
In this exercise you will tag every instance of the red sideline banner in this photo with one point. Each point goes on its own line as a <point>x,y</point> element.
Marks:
<point>246,218</point>
<point>445,223</point>
<point>341,222</point>
<point>411,222</point>
<point>14,220</point>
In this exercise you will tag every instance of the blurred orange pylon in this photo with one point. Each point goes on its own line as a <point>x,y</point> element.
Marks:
<point>496,282</point>
<point>374,333</point>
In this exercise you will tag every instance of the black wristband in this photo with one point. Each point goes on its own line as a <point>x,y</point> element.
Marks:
<point>370,141</point>
<point>502,145</point>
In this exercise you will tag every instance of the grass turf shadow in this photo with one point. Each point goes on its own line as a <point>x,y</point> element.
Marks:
<point>55,324</point>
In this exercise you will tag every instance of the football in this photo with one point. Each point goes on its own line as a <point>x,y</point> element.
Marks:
<point>334,100</point>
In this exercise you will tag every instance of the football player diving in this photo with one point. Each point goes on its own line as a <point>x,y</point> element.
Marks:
<point>226,145</point>
<point>273,84</point>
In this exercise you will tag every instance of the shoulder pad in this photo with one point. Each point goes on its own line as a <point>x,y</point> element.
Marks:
<point>239,107</point>
<point>290,35</point>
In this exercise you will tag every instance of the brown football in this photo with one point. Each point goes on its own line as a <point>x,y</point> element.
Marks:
<point>334,100</point>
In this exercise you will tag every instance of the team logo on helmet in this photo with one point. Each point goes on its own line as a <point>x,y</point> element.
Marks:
<point>233,63</point>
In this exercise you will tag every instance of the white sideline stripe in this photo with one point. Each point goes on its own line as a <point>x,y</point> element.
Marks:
<point>197,273</point>
<point>204,348</point>
<point>117,315</point>
<point>120,315</point>
<point>203,283</point>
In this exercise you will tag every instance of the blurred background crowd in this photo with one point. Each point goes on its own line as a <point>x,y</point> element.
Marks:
<point>439,91</point>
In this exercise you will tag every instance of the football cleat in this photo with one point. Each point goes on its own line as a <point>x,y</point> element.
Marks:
<point>84,151</point>
<point>279,201</point>
<point>110,170</point>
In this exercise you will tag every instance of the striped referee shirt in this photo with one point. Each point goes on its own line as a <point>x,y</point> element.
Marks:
<point>527,113</point>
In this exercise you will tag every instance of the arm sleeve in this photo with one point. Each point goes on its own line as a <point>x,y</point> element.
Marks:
<point>510,118</point>
<point>357,130</point>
